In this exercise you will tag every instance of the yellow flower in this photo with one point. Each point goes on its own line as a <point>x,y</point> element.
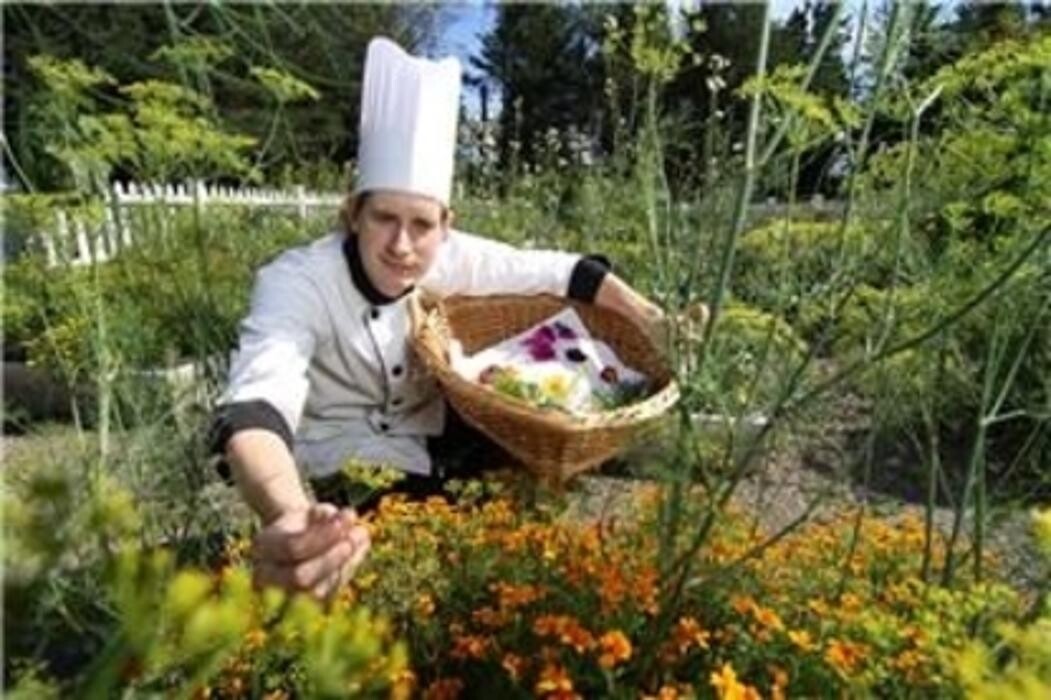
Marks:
<point>726,684</point>
<point>819,608</point>
<point>366,581</point>
<point>850,603</point>
<point>403,684</point>
<point>425,605</point>
<point>556,387</point>
<point>616,648</point>
<point>801,638</point>
<point>255,639</point>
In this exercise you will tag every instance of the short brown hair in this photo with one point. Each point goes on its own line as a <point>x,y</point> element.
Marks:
<point>350,208</point>
<point>352,204</point>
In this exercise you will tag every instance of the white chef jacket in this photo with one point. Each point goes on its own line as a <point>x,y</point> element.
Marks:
<point>333,372</point>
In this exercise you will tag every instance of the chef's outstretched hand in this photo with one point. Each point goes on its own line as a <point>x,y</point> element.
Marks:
<point>614,293</point>
<point>311,550</point>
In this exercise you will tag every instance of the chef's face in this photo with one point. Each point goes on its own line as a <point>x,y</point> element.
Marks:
<point>398,237</point>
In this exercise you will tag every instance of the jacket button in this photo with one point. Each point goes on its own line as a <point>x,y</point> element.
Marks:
<point>396,370</point>
<point>375,314</point>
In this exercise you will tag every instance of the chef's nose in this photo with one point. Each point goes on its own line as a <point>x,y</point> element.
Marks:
<point>401,244</point>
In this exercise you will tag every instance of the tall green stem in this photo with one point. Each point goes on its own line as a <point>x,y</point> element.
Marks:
<point>673,579</point>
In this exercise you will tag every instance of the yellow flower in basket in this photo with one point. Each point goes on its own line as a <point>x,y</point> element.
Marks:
<point>556,387</point>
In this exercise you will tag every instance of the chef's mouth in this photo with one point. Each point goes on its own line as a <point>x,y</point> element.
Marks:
<point>399,268</point>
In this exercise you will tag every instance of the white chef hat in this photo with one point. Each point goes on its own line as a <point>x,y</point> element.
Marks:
<point>409,109</point>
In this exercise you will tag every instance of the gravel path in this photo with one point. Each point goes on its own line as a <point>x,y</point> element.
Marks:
<point>785,485</point>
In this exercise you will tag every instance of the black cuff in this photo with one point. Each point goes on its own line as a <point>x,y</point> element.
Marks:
<point>587,277</point>
<point>241,415</point>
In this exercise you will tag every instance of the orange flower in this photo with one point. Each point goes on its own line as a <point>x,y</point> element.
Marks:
<point>767,618</point>
<point>743,604</point>
<point>616,648</point>
<point>666,692</point>
<point>612,588</point>
<point>514,665</point>
<point>470,646</point>
<point>444,689</point>
<point>487,617</point>
<point>511,596</point>
<point>553,680</point>
<point>689,632</point>
<point>844,656</point>
<point>547,625</point>
<point>566,629</point>
<point>578,638</point>
<point>780,682</point>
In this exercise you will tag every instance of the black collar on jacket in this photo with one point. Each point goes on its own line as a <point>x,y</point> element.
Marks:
<point>361,279</point>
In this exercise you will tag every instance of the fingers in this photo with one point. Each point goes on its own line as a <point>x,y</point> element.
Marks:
<point>361,542</point>
<point>289,539</point>
<point>305,575</point>
<point>358,537</point>
<point>312,551</point>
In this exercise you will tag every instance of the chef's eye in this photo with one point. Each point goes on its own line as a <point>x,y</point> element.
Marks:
<point>421,227</point>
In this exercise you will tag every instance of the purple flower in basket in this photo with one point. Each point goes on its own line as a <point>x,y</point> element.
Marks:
<point>541,344</point>
<point>541,352</point>
<point>564,331</point>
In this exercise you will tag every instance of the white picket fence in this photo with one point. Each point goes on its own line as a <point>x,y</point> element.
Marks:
<point>76,242</point>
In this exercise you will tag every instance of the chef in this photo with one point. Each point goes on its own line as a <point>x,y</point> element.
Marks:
<point>324,372</point>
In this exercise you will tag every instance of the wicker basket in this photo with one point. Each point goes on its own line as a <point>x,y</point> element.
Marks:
<point>552,444</point>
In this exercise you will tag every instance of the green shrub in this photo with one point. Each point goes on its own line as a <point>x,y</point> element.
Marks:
<point>751,358</point>
<point>785,266</point>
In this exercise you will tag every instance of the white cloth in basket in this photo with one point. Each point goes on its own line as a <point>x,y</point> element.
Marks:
<point>559,355</point>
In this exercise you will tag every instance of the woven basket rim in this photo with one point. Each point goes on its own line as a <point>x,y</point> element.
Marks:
<point>431,327</point>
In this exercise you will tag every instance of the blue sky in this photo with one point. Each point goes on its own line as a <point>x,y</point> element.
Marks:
<point>474,19</point>
<point>469,21</point>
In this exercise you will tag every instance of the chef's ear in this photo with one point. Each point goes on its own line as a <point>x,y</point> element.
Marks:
<point>448,217</point>
<point>350,210</point>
